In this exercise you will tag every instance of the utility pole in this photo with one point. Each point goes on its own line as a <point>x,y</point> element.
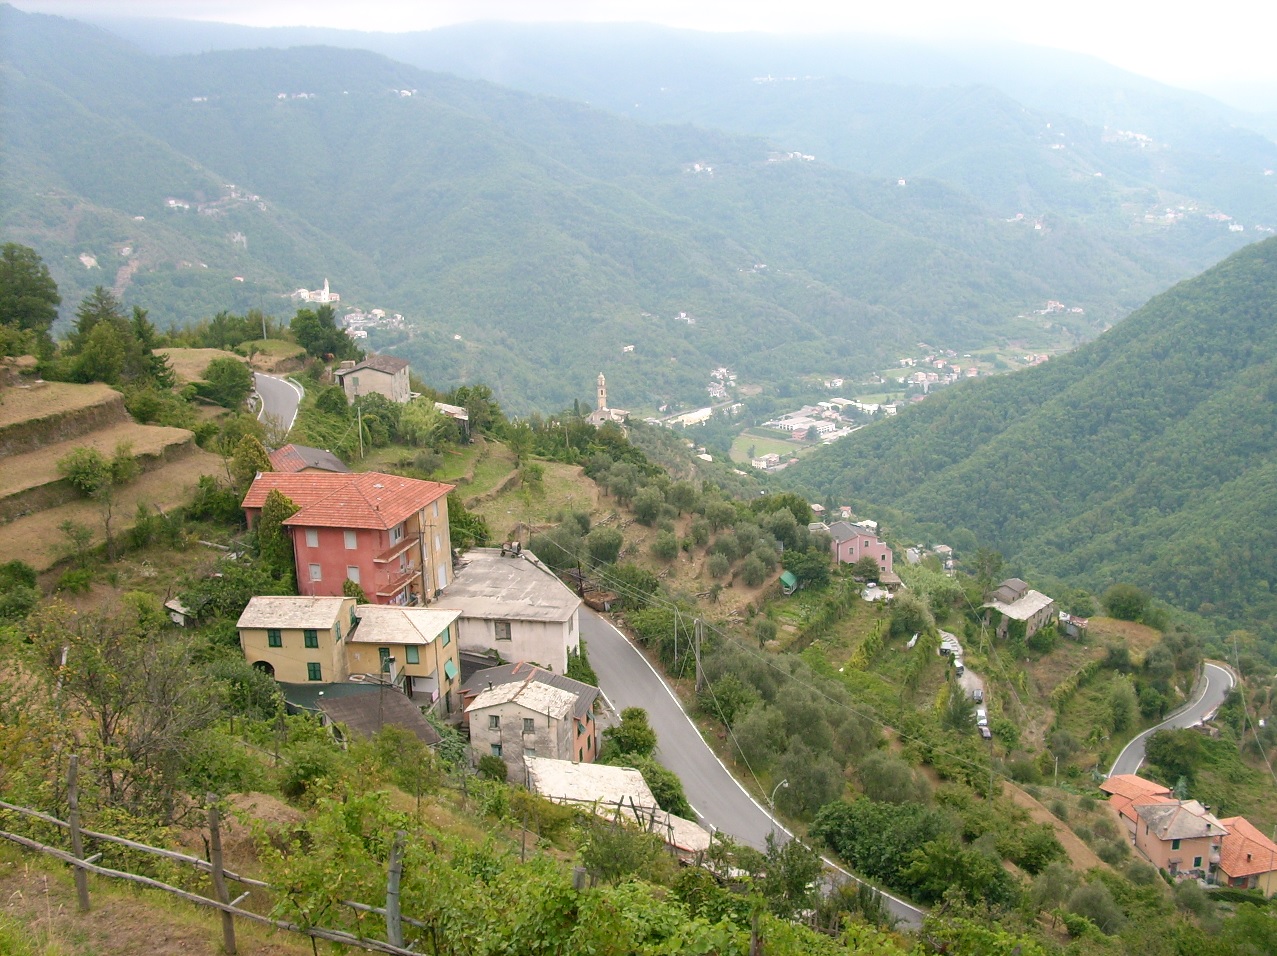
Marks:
<point>359,419</point>
<point>698,634</point>
<point>991,767</point>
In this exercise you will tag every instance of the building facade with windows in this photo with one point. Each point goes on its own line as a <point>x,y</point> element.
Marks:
<point>335,640</point>
<point>1179,836</point>
<point>386,533</point>
<point>520,710</point>
<point>297,639</point>
<point>513,605</point>
<point>414,649</point>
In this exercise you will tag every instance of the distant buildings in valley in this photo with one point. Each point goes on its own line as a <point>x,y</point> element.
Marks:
<point>324,296</point>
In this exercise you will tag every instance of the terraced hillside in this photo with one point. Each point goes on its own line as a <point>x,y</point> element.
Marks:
<point>42,422</point>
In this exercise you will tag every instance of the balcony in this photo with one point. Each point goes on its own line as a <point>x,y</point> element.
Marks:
<point>397,582</point>
<point>395,550</point>
<point>424,688</point>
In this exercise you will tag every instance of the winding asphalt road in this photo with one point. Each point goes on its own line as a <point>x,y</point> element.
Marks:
<point>628,680</point>
<point>1216,683</point>
<point>280,398</point>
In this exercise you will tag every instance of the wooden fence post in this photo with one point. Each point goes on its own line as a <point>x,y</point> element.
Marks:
<point>77,841</point>
<point>394,923</point>
<point>219,878</point>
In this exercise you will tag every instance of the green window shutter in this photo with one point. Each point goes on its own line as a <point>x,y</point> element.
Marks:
<point>412,654</point>
<point>274,638</point>
<point>314,672</point>
<point>447,635</point>
<point>450,668</point>
<point>311,637</point>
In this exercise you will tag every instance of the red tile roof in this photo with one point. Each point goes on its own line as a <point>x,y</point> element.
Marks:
<point>366,499</point>
<point>1128,806</point>
<point>301,457</point>
<point>1245,851</point>
<point>1131,786</point>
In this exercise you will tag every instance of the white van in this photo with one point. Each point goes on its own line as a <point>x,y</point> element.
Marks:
<point>981,717</point>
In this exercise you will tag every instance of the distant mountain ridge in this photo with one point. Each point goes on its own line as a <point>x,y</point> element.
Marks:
<point>1147,456</point>
<point>529,239</point>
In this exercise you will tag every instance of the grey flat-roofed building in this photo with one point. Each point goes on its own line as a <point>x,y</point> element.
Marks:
<point>513,604</point>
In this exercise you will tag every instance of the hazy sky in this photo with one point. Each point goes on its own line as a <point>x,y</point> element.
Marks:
<point>1191,45</point>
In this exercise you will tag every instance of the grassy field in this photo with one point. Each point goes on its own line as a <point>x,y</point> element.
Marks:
<point>189,364</point>
<point>564,488</point>
<point>51,398</point>
<point>36,468</point>
<point>37,540</point>
<point>269,355</point>
<point>766,442</point>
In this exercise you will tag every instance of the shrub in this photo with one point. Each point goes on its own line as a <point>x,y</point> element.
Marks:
<point>77,580</point>
<point>1113,852</point>
<point>492,767</point>
<point>1096,903</point>
<point>1125,602</point>
<point>718,565</point>
<point>665,546</point>
<point>752,571</point>
<point>309,763</point>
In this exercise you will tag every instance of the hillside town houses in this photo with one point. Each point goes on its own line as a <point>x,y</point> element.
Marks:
<point>397,651</point>
<point>1184,839</point>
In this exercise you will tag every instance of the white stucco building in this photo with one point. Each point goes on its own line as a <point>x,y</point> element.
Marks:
<point>513,604</point>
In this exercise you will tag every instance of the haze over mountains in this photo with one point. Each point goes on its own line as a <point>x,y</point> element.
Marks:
<point>530,240</point>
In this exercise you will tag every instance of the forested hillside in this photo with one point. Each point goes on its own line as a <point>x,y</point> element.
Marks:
<point>1148,456</point>
<point>527,240</point>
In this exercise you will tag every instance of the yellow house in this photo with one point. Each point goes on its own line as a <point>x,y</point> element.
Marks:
<point>413,648</point>
<point>297,639</point>
<point>329,640</point>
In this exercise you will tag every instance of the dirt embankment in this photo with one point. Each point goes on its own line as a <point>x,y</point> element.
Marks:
<point>1081,857</point>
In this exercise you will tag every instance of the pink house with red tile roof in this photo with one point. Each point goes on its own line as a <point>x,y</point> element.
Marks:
<point>851,542</point>
<point>1248,858</point>
<point>386,533</point>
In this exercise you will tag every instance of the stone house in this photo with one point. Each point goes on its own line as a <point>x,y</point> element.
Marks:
<point>380,374</point>
<point>1016,606</point>
<point>520,710</point>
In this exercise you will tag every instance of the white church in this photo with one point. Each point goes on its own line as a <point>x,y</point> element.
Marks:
<point>601,411</point>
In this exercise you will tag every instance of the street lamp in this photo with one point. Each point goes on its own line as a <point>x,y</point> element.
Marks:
<point>771,803</point>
